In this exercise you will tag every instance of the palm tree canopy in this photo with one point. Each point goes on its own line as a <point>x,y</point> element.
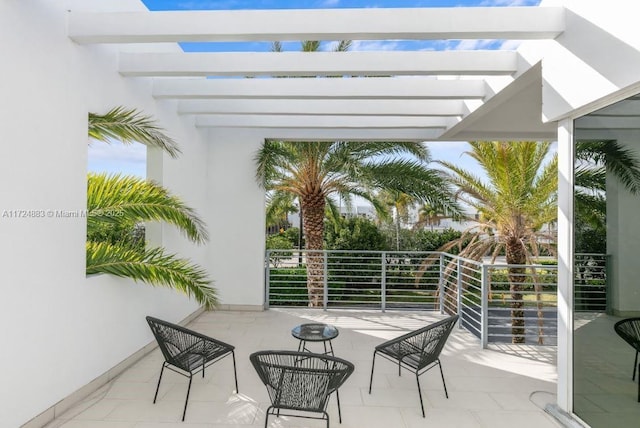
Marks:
<point>518,198</point>
<point>129,126</point>
<point>348,168</point>
<point>116,198</point>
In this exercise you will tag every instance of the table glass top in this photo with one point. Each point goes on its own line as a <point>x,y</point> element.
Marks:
<point>314,332</point>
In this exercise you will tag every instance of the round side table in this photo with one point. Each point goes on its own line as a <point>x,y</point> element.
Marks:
<point>315,333</point>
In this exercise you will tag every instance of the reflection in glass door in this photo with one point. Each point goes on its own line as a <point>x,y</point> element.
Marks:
<point>607,263</point>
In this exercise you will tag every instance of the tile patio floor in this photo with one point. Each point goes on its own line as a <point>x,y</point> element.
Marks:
<point>605,395</point>
<point>493,388</point>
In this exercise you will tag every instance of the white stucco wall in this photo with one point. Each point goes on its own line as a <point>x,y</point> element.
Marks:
<point>60,329</point>
<point>235,217</point>
<point>67,329</point>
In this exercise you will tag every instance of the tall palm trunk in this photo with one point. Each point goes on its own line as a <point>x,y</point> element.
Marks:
<point>313,220</point>
<point>516,255</point>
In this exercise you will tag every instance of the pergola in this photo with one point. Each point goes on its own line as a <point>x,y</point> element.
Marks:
<point>66,58</point>
<point>376,95</point>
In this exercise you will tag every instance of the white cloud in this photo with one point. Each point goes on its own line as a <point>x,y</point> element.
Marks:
<point>375,45</point>
<point>480,44</point>
<point>473,44</point>
<point>510,45</point>
<point>116,157</point>
<point>453,146</point>
<point>330,3</point>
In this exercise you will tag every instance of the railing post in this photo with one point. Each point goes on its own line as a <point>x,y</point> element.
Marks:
<point>325,298</point>
<point>484,329</point>
<point>267,278</point>
<point>441,283</point>
<point>607,285</point>
<point>383,282</point>
<point>460,291</point>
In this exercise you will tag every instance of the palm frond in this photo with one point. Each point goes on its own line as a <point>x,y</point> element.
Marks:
<point>128,126</point>
<point>621,161</point>
<point>343,46</point>
<point>590,177</point>
<point>310,45</point>
<point>414,179</point>
<point>115,198</point>
<point>154,267</point>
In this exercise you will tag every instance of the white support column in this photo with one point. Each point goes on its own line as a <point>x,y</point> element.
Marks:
<point>565,264</point>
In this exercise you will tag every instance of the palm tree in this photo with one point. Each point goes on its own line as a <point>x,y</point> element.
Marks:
<point>316,171</point>
<point>514,205</point>
<point>430,215</point>
<point>116,202</point>
<point>400,204</point>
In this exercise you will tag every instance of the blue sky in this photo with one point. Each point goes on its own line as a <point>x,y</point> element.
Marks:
<point>336,4</point>
<point>322,4</point>
<point>132,159</point>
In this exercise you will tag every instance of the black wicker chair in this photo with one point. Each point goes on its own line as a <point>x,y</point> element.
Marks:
<point>629,330</point>
<point>417,351</point>
<point>186,352</point>
<point>300,381</point>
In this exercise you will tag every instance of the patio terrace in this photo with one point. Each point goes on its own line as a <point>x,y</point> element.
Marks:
<point>495,387</point>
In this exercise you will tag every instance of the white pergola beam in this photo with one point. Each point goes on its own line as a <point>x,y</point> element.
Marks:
<point>371,88</point>
<point>318,63</point>
<point>351,134</point>
<point>517,23</point>
<point>325,107</point>
<point>326,122</point>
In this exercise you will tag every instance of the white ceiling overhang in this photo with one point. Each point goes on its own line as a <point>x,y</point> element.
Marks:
<point>416,95</point>
<point>514,113</point>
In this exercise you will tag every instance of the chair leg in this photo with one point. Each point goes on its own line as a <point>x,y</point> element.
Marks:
<point>373,363</point>
<point>339,412</point>
<point>235,373</point>
<point>635,366</point>
<point>443,382</point>
<point>266,416</point>
<point>158,387</point>
<point>638,389</point>
<point>420,394</point>
<point>184,412</point>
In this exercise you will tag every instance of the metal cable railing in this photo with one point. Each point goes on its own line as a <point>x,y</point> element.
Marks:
<point>495,302</point>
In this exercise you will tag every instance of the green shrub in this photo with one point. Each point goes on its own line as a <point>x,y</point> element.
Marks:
<point>279,242</point>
